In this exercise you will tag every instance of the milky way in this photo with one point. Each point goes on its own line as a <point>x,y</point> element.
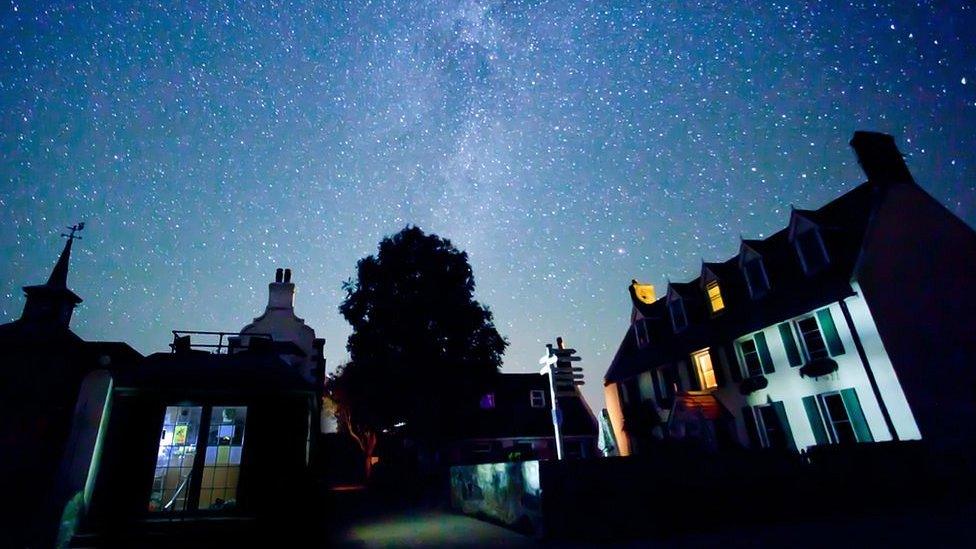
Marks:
<point>567,146</point>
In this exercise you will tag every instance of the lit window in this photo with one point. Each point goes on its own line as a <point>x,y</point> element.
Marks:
<point>187,430</point>
<point>715,296</point>
<point>706,373</point>
<point>756,277</point>
<point>537,399</point>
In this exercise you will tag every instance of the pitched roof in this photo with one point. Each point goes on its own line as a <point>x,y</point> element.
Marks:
<point>842,223</point>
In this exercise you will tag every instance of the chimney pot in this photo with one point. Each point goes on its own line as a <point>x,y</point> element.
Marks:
<point>277,275</point>
<point>287,275</point>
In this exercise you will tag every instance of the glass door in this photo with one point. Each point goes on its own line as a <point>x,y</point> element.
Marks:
<point>197,472</point>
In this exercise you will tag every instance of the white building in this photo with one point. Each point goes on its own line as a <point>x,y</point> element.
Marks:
<point>852,324</point>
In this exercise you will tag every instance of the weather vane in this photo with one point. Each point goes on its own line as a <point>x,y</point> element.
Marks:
<point>74,228</point>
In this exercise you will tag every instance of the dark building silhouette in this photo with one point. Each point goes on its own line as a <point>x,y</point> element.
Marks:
<point>43,368</point>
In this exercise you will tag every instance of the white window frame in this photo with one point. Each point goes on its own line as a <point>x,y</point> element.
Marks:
<point>741,356</point>
<point>537,398</point>
<point>828,421</point>
<point>698,369</point>
<point>798,334</point>
<point>761,423</point>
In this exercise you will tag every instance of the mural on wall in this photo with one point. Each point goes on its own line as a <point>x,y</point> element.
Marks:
<point>509,493</point>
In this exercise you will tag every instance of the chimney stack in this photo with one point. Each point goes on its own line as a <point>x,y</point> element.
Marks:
<point>278,275</point>
<point>880,158</point>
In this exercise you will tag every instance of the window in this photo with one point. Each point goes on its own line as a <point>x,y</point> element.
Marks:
<point>180,481</point>
<point>678,318</point>
<point>754,355</point>
<point>703,366</point>
<point>813,342</point>
<point>772,425</point>
<point>667,379</point>
<point>813,255</point>
<point>174,458</point>
<point>756,277</point>
<point>222,466</point>
<point>487,401</point>
<point>836,417</point>
<point>714,296</point>
<point>818,335</point>
<point>641,332</point>
<point>537,399</point>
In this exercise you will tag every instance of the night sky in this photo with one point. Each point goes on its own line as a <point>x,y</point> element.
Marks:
<point>566,146</point>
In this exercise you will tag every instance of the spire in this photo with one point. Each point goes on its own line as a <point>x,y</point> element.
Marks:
<point>51,304</point>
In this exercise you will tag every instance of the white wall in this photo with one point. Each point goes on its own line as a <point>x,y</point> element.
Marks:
<point>787,386</point>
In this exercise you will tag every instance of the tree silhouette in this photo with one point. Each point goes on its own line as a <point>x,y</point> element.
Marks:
<point>422,350</point>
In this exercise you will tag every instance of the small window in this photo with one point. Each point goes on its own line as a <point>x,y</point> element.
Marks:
<point>537,399</point>
<point>706,373</point>
<point>838,420</point>
<point>641,332</point>
<point>818,335</point>
<point>813,255</point>
<point>756,277</point>
<point>714,296</point>
<point>813,342</point>
<point>488,401</point>
<point>754,355</point>
<point>678,318</point>
<point>770,427</point>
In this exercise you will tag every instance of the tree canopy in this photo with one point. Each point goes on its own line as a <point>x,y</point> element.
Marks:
<point>421,349</point>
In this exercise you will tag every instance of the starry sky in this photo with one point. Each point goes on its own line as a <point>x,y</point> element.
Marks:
<point>566,146</point>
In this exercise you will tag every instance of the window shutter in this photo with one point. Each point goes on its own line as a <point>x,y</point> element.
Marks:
<point>816,421</point>
<point>853,406</point>
<point>792,353</point>
<point>694,384</point>
<point>785,425</point>
<point>751,428</point>
<point>834,344</point>
<point>764,358</point>
<point>717,362</point>
<point>735,367</point>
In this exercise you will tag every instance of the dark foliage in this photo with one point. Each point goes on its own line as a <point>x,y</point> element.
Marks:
<point>421,349</point>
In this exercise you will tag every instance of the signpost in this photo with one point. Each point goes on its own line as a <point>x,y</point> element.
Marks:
<point>563,380</point>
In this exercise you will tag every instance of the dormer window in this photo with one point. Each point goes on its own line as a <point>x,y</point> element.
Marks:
<point>678,318</point>
<point>714,296</point>
<point>813,254</point>
<point>756,277</point>
<point>641,333</point>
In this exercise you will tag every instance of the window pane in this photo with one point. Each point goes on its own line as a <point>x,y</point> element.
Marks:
<point>812,339</point>
<point>715,297</point>
<point>775,435</point>
<point>706,374</point>
<point>839,420</point>
<point>174,458</point>
<point>750,355</point>
<point>223,461</point>
<point>754,274</point>
<point>813,255</point>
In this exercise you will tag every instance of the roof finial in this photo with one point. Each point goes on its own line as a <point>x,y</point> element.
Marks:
<point>74,229</point>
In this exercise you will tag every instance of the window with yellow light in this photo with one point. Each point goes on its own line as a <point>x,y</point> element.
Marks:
<point>714,296</point>
<point>706,372</point>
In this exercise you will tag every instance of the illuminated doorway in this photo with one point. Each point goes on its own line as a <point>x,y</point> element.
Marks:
<point>195,471</point>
